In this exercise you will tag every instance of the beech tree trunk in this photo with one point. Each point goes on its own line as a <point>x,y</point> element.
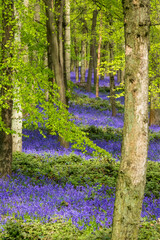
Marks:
<point>17,113</point>
<point>67,43</point>
<point>94,21</point>
<point>55,51</point>
<point>6,82</point>
<point>154,118</point>
<point>119,76</point>
<point>122,76</point>
<point>49,54</point>
<point>95,61</point>
<point>77,70</point>
<point>76,49</point>
<point>83,64</point>
<point>57,54</point>
<point>132,173</point>
<point>112,84</point>
<point>99,57</point>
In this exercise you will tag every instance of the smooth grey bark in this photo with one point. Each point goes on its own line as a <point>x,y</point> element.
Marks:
<point>154,117</point>
<point>132,173</point>
<point>17,109</point>
<point>119,76</point>
<point>6,82</point>
<point>122,76</point>
<point>76,49</point>
<point>94,22</point>
<point>112,84</point>
<point>55,51</point>
<point>67,40</point>
<point>49,52</point>
<point>57,54</point>
<point>60,10</point>
<point>99,57</point>
<point>95,60</point>
<point>83,64</point>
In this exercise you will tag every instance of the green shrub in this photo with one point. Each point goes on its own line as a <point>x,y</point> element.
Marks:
<point>107,133</point>
<point>97,103</point>
<point>149,231</point>
<point>154,135</point>
<point>65,230</point>
<point>79,171</point>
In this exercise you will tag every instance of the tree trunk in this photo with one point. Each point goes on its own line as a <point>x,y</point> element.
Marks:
<point>122,76</point>
<point>119,76</point>
<point>56,55</point>
<point>17,124</point>
<point>83,64</point>
<point>77,70</point>
<point>67,40</point>
<point>49,54</point>
<point>132,173</point>
<point>95,61</point>
<point>17,113</point>
<point>112,84</point>
<point>154,118</point>
<point>60,10</point>
<point>76,60</point>
<point>99,57</point>
<point>6,82</point>
<point>94,21</point>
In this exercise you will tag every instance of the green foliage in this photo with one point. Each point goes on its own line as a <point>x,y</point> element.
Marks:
<point>58,229</point>
<point>96,103</point>
<point>107,133</point>
<point>149,230</point>
<point>79,171</point>
<point>30,81</point>
<point>65,168</point>
<point>153,178</point>
<point>154,135</point>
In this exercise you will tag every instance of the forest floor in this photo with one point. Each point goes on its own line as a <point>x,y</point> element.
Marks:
<point>57,193</point>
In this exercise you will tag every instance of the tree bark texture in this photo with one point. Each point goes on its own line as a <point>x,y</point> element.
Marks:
<point>132,173</point>
<point>76,49</point>
<point>119,76</point>
<point>67,40</point>
<point>49,52</point>
<point>57,54</point>
<point>6,113</point>
<point>99,58</point>
<point>55,51</point>
<point>94,22</point>
<point>154,118</point>
<point>83,56</point>
<point>112,84</point>
<point>17,113</point>
<point>95,60</point>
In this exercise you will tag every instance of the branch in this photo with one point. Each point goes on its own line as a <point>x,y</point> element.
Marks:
<point>39,22</point>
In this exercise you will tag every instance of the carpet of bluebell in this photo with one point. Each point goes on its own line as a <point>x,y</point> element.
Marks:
<point>84,205</point>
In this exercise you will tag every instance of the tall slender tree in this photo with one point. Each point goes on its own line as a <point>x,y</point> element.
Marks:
<point>99,56</point>
<point>94,22</point>
<point>56,47</point>
<point>67,42</point>
<point>132,172</point>
<point>17,109</point>
<point>112,84</point>
<point>6,88</point>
